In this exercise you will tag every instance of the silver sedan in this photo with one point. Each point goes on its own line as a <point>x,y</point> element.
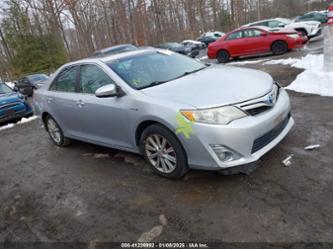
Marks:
<point>176,111</point>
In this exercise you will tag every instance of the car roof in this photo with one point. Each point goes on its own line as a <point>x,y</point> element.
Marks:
<point>266,20</point>
<point>29,75</point>
<point>113,56</point>
<point>103,50</point>
<point>252,27</point>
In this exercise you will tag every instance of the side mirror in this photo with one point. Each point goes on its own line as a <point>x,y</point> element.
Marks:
<point>281,25</point>
<point>110,90</point>
<point>15,89</point>
<point>263,34</point>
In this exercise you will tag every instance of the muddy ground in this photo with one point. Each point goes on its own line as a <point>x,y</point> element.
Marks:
<point>93,194</point>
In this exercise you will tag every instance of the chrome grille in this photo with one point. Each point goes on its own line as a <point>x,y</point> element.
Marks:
<point>262,104</point>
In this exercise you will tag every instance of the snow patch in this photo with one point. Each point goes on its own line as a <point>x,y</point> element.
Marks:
<point>247,62</point>
<point>24,120</point>
<point>289,61</point>
<point>314,80</point>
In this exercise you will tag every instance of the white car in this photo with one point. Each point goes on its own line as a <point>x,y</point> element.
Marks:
<point>307,28</point>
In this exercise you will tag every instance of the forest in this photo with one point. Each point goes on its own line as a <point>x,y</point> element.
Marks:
<point>41,35</point>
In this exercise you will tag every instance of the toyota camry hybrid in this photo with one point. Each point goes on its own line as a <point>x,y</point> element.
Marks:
<point>177,112</point>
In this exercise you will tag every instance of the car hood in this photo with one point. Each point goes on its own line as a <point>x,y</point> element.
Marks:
<point>8,98</point>
<point>302,23</point>
<point>214,86</point>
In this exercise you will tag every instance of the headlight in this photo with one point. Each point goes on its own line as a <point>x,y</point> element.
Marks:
<point>294,36</point>
<point>221,115</point>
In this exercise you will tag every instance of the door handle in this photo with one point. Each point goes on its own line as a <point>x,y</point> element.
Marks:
<point>49,100</point>
<point>80,103</point>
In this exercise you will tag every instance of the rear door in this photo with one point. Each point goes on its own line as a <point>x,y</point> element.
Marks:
<point>256,40</point>
<point>61,100</point>
<point>103,120</point>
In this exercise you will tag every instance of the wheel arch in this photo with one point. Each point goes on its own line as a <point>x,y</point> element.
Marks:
<point>144,125</point>
<point>302,29</point>
<point>44,116</point>
<point>280,40</point>
<point>222,49</point>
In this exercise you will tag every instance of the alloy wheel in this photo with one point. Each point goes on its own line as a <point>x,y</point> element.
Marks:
<point>160,153</point>
<point>54,130</point>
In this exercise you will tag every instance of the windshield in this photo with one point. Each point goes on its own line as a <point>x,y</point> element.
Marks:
<point>149,69</point>
<point>38,77</point>
<point>4,89</point>
<point>286,21</point>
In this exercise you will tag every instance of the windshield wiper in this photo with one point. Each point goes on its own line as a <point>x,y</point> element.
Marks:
<point>154,83</point>
<point>159,82</point>
<point>190,72</point>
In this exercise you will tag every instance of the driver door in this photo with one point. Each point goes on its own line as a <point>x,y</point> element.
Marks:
<point>102,120</point>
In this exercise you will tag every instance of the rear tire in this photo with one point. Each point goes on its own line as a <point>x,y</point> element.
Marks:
<point>223,56</point>
<point>163,152</point>
<point>55,132</point>
<point>279,48</point>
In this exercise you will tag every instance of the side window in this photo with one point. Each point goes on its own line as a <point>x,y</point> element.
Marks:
<point>65,81</point>
<point>274,24</point>
<point>235,35</point>
<point>92,78</point>
<point>261,24</point>
<point>251,33</point>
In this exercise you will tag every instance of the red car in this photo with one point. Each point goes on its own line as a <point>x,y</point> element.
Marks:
<point>255,40</point>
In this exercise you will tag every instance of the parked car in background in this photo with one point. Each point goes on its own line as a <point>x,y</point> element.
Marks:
<point>175,47</point>
<point>307,28</point>
<point>210,37</point>
<point>192,44</point>
<point>319,16</point>
<point>176,111</point>
<point>13,105</point>
<point>255,40</point>
<point>27,84</point>
<point>114,50</point>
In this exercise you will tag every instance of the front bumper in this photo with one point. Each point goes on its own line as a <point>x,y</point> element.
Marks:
<point>250,137</point>
<point>315,32</point>
<point>23,110</point>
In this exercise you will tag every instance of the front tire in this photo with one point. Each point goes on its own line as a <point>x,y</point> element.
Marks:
<point>223,56</point>
<point>55,132</point>
<point>163,152</point>
<point>279,48</point>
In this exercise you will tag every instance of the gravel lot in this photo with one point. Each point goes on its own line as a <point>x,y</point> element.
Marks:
<point>94,194</point>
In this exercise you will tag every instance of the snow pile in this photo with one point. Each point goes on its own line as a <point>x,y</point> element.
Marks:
<point>289,61</point>
<point>314,79</point>
<point>24,120</point>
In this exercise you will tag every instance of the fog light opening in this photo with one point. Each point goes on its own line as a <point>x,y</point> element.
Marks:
<point>224,153</point>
